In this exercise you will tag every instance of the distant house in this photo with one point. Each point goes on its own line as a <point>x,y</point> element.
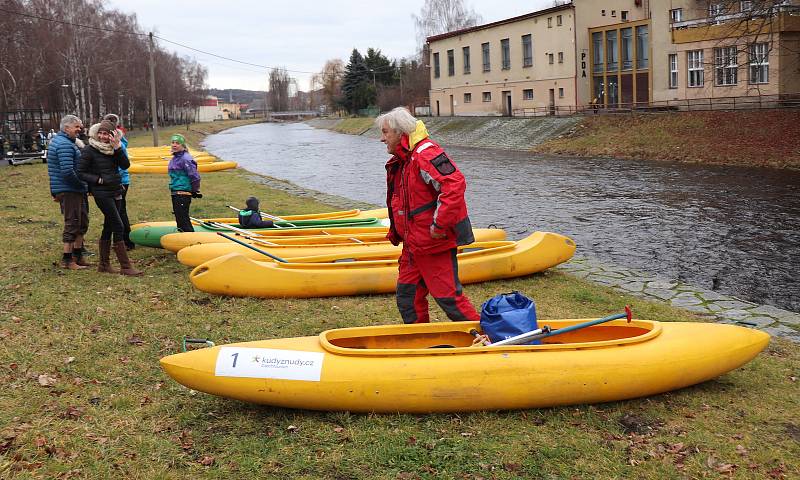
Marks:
<point>209,110</point>
<point>230,111</point>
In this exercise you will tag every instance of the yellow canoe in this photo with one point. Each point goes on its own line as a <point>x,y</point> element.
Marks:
<point>165,160</point>
<point>344,245</point>
<point>202,167</point>
<point>334,275</point>
<point>394,369</point>
<point>352,213</point>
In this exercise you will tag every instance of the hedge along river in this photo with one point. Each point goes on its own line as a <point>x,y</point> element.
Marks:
<point>735,230</point>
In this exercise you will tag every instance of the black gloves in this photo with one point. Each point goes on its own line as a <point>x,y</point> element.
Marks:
<point>197,195</point>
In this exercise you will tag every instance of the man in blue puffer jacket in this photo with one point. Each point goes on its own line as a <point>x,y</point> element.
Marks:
<point>63,158</point>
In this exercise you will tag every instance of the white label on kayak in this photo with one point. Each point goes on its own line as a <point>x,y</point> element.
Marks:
<point>269,363</point>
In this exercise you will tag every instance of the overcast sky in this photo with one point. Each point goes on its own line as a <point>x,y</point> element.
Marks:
<point>297,35</point>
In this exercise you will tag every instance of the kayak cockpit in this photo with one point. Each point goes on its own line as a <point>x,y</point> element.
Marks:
<point>455,338</point>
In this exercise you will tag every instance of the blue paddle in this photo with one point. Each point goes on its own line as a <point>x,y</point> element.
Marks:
<point>545,331</point>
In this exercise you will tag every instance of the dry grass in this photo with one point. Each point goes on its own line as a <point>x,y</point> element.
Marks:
<point>83,396</point>
<point>765,138</point>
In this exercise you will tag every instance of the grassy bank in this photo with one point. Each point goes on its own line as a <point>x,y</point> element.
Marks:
<point>83,396</point>
<point>354,126</point>
<point>747,138</point>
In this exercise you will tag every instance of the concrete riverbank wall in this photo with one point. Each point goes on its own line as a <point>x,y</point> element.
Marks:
<point>479,132</point>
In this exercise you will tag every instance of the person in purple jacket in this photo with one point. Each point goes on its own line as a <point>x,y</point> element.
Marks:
<point>184,182</point>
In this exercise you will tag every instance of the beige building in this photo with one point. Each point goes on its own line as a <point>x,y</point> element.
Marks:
<point>611,54</point>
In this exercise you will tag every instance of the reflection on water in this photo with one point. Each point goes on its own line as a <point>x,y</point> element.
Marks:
<point>733,229</point>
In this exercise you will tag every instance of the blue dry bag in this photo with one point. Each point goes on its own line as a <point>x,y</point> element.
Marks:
<point>508,315</point>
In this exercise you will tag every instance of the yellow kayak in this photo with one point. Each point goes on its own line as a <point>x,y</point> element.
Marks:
<point>395,369</point>
<point>333,275</point>
<point>352,213</point>
<point>202,167</point>
<point>165,160</point>
<point>345,245</point>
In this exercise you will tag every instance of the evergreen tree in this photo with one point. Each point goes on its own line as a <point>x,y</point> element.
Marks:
<point>382,70</point>
<point>357,89</point>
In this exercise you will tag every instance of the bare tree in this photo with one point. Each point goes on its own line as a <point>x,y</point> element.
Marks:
<point>441,16</point>
<point>330,82</point>
<point>80,57</point>
<point>279,89</point>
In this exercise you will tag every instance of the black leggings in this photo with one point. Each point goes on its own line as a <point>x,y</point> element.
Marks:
<point>123,214</point>
<point>112,222</point>
<point>180,207</point>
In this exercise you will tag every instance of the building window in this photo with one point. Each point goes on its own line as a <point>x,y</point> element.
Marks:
<point>465,52</point>
<point>467,98</point>
<point>745,6</point>
<point>676,15</point>
<point>559,21</point>
<point>527,94</point>
<point>613,13</point>
<point>549,22</point>
<point>560,93</point>
<point>550,58</point>
<point>487,96</point>
<point>436,65</point>
<point>611,51</point>
<point>527,51</point>
<point>694,66</point>
<point>451,63</point>
<point>597,49</point>
<point>624,15</point>
<point>627,48</point>
<point>714,11</point>
<point>759,63</point>
<point>642,47</point>
<point>487,66</point>
<point>505,52</point>
<point>726,65</point>
<point>560,57</point>
<point>673,70</point>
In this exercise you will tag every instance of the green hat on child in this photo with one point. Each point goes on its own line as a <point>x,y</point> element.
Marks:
<point>178,138</point>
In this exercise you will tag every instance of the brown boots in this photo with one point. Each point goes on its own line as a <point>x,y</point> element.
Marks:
<point>125,265</point>
<point>79,254</point>
<point>104,265</point>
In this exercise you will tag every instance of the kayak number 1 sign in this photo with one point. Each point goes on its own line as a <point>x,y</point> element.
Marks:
<point>245,362</point>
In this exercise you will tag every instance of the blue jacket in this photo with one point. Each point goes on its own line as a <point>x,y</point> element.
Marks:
<point>63,158</point>
<point>183,176</point>
<point>123,172</point>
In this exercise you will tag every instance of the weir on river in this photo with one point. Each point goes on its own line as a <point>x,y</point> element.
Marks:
<point>730,229</point>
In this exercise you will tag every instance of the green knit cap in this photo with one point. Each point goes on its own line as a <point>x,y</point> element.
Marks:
<point>178,138</point>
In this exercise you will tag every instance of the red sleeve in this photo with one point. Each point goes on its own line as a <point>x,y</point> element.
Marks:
<point>451,186</point>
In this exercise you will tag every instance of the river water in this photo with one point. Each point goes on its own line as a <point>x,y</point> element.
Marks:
<point>734,230</point>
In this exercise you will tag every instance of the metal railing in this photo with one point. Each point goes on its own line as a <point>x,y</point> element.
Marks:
<point>755,102</point>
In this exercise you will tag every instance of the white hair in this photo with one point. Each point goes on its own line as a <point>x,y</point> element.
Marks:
<point>399,120</point>
<point>68,120</point>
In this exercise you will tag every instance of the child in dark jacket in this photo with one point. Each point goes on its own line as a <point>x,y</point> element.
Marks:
<point>250,216</point>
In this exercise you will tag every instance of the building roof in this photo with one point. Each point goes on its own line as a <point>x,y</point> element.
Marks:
<point>526,16</point>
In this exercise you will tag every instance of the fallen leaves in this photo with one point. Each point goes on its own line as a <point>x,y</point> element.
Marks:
<point>47,380</point>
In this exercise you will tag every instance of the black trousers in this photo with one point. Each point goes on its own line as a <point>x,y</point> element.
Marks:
<point>180,207</point>
<point>112,222</point>
<point>123,214</point>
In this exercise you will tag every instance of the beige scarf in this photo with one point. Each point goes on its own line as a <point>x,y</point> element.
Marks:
<point>94,141</point>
